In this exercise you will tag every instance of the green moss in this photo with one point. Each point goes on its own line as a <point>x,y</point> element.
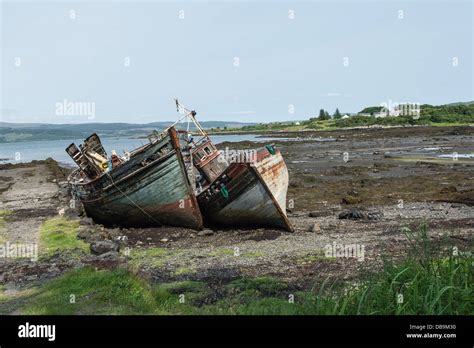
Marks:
<point>60,234</point>
<point>151,257</point>
<point>183,270</point>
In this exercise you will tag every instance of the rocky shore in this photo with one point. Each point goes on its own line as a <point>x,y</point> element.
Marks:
<point>365,189</point>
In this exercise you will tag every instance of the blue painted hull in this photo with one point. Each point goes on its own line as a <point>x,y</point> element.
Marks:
<point>151,189</point>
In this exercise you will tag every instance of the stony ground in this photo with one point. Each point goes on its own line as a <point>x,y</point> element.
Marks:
<point>385,183</point>
<point>30,193</point>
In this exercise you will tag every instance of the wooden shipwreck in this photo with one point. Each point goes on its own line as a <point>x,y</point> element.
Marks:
<point>249,193</point>
<point>174,179</point>
<point>150,188</point>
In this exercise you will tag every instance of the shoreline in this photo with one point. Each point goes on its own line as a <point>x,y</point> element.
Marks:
<point>366,200</point>
<point>261,133</point>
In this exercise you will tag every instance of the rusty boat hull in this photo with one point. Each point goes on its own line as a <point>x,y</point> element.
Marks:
<point>151,189</point>
<point>249,194</point>
<point>274,173</point>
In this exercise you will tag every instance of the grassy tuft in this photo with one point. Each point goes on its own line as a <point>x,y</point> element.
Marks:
<point>425,282</point>
<point>93,292</point>
<point>152,257</point>
<point>60,234</point>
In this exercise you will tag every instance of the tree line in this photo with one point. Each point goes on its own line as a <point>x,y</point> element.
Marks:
<point>324,115</point>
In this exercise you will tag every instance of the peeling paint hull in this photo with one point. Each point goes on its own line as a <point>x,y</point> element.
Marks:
<point>151,189</point>
<point>249,194</point>
<point>273,170</point>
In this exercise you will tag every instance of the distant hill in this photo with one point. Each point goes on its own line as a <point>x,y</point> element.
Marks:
<point>448,114</point>
<point>441,108</point>
<point>461,103</point>
<point>12,132</point>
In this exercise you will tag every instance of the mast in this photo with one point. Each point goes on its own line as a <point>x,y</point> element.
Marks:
<point>190,115</point>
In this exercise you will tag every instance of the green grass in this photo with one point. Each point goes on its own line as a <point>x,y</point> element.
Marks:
<point>444,287</point>
<point>182,286</point>
<point>430,115</point>
<point>431,282</point>
<point>59,234</point>
<point>424,119</point>
<point>153,257</point>
<point>252,288</point>
<point>116,292</point>
<point>95,292</point>
<point>441,287</point>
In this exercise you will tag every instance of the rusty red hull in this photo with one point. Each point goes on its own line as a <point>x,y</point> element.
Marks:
<point>251,194</point>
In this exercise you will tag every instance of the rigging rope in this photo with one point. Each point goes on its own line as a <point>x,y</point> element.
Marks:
<point>135,204</point>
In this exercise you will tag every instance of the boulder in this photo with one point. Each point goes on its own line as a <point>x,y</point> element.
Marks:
<point>375,215</point>
<point>205,233</point>
<point>351,214</point>
<point>111,256</point>
<point>355,214</point>
<point>316,228</point>
<point>114,234</point>
<point>84,234</point>
<point>102,247</point>
<point>449,189</point>
<point>109,259</point>
<point>86,221</point>
<point>350,200</point>
<point>71,213</point>
<point>89,234</point>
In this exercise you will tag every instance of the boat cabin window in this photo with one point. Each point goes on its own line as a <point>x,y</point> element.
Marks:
<point>208,151</point>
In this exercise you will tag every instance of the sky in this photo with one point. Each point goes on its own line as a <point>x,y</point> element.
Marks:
<point>248,61</point>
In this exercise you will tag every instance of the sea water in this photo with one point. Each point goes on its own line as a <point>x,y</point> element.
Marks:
<point>39,150</point>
